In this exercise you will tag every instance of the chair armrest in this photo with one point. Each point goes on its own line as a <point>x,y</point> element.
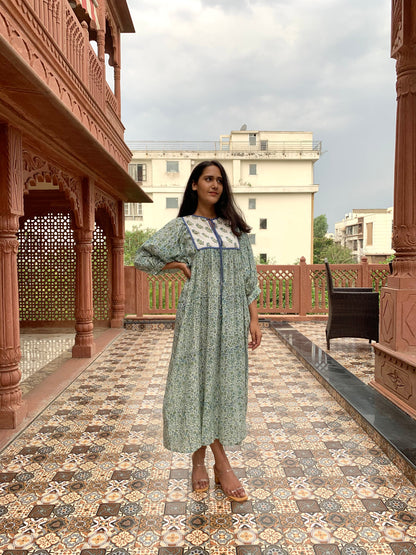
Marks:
<point>354,289</point>
<point>355,296</point>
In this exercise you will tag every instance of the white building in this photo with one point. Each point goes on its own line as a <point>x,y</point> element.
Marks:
<point>367,232</point>
<point>271,173</point>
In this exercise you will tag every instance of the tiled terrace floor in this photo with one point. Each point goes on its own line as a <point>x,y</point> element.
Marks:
<point>89,475</point>
<point>357,355</point>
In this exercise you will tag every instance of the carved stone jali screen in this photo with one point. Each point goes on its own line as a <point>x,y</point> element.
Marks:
<point>46,264</point>
<point>63,177</point>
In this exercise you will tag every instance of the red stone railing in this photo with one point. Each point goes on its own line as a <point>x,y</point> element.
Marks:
<point>296,292</point>
<point>49,37</point>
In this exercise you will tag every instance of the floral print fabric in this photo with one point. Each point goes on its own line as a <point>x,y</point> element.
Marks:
<point>206,389</point>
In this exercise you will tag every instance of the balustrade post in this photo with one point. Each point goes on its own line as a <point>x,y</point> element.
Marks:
<point>60,14</point>
<point>101,45</point>
<point>117,86</point>
<point>101,59</point>
<point>365,273</point>
<point>395,354</point>
<point>305,300</point>
<point>140,293</point>
<point>84,339</point>
<point>12,408</point>
<point>85,64</point>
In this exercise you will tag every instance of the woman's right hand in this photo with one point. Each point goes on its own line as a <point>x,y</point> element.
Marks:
<point>184,268</point>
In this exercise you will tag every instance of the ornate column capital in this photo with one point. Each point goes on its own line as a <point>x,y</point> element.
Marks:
<point>117,243</point>
<point>83,236</point>
<point>9,224</point>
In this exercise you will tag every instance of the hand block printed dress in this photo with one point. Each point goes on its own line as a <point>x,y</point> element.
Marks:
<point>206,388</point>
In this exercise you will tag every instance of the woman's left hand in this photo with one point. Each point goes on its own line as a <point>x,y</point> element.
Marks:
<point>255,333</point>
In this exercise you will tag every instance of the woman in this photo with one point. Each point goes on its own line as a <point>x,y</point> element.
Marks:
<point>205,400</point>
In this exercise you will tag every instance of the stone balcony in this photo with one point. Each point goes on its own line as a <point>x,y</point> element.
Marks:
<point>48,63</point>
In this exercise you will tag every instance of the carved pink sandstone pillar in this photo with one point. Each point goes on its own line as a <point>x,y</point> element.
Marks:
<point>395,364</point>
<point>84,339</point>
<point>12,409</point>
<point>118,293</point>
<point>101,45</point>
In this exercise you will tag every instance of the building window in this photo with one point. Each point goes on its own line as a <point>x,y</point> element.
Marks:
<point>263,258</point>
<point>264,145</point>
<point>251,203</point>
<point>133,209</point>
<point>252,139</point>
<point>263,223</point>
<point>252,238</point>
<point>172,167</point>
<point>137,172</point>
<point>253,169</point>
<point>171,202</point>
<point>369,228</point>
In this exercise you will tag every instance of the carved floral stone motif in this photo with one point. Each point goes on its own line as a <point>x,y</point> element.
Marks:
<point>404,238</point>
<point>396,27</point>
<point>37,171</point>
<point>397,377</point>
<point>109,205</point>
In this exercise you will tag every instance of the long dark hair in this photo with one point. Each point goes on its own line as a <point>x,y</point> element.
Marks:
<point>225,208</point>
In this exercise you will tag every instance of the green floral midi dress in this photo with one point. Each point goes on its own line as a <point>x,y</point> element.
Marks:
<point>206,388</point>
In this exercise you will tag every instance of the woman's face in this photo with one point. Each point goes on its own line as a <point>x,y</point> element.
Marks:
<point>209,186</point>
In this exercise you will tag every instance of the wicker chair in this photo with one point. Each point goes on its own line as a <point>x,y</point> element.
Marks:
<point>353,311</point>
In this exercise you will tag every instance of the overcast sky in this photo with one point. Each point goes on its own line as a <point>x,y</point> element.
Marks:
<point>196,69</point>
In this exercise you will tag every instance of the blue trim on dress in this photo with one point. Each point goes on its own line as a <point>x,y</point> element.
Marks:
<point>190,232</point>
<point>220,243</point>
<point>204,217</point>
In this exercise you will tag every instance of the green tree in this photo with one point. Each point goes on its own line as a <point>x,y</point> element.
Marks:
<point>336,254</point>
<point>320,226</point>
<point>325,247</point>
<point>134,238</point>
<point>320,247</point>
<point>320,242</point>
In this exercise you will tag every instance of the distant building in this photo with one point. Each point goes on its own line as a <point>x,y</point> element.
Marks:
<point>271,173</point>
<point>367,232</point>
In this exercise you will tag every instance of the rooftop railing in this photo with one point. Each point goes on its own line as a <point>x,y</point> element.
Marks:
<point>286,291</point>
<point>220,146</point>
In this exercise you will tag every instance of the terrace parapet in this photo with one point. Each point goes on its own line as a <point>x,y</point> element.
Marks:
<point>287,292</point>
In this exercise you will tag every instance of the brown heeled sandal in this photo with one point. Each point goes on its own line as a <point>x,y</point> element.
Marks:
<point>231,495</point>
<point>204,482</point>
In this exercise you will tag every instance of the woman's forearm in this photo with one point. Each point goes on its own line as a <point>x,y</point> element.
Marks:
<point>255,330</point>
<point>178,266</point>
<point>254,315</point>
<point>173,266</point>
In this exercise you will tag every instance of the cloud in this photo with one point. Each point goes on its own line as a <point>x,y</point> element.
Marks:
<point>196,69</point>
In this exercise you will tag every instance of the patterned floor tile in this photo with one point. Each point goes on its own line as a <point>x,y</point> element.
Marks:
<point>89,475</point>
<point>357,355</point>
